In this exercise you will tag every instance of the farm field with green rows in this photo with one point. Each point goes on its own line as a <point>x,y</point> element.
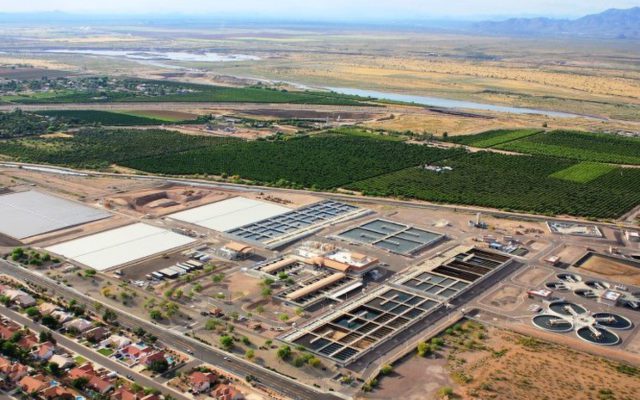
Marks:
<point>371,164</point>
<point>522,183</point>
<point>106,117</point>
<point>494,137</point>
<point>586,146</point>
<point>321,162</point>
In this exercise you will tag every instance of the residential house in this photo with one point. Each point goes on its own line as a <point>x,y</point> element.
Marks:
<point>28,342</point>
<point>84,371</point>
<point>12,371</point>
<point>48,308</point>
<point>227,392</point>
<point>124,393</point>
<point>79,325</point>
<point>57,393</point>
<point>201,382</point>
<point>62,316</point>
<point>95,382</point>
<point>95,335</point>
<point>116,342</point>
<point>149,359</point>
<point>33,384</point>
<point>100,385</point>
<point>135,352</point>
<point>20,298</point>
<point>8,329</point>
<point>44,351</point>
<point>62,361</point>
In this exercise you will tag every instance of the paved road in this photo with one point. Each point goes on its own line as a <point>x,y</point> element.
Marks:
<point>234,365</point>
<point>90,355</point>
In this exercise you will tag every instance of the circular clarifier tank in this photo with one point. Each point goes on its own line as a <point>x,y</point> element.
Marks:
<point>566,308</point>
<point>552,323</point>
<point>597,285</point>
<point>569,277</point>
<point>555,286</point>
<point>613,321</point>
<point>588,293</point>
<point>598,335</point>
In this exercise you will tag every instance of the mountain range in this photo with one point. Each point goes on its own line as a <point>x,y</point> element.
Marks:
<point>612,23</point>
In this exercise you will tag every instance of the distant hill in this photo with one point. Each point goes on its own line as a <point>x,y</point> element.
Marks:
<point>612,23</point>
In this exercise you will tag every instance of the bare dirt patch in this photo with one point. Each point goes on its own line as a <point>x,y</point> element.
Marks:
<point>162,201</point>
<point>616,271</point>
<point>505,298</point>
<point>551,371</point>
<point>416,378</point>
<point>533,276</point>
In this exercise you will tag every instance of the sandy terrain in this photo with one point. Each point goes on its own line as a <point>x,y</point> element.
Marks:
<point>611,270</point>
<point>162,201</point>
<point>416,378</point>
<point>534,276</point>
<point>505,298</point>
<point>570,254</point>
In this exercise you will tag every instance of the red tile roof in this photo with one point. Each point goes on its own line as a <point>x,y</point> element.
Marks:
<point>33,384</point>
<point>28,342</point>
<point>100,385</point>
<point>125,394</point>
<point>83,371</point>
<point>57,393</point>
<point>198,377</point>
<point>157,356</point>
<point>7,330</point>
<point>43,350</point>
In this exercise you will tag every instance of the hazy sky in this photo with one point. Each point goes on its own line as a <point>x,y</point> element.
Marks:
<point>323,9</point>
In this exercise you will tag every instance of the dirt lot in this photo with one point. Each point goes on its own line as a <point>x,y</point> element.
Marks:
<point>533,276</point>
<point>505,298</point>
<point>615,271</point>
<point>408,380</point>
<point>163,200</point>
<point>489,363</point>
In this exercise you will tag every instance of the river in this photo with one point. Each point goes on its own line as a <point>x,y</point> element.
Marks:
<point>446,103</point>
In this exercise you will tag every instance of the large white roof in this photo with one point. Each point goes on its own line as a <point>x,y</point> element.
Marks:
<point>119,246</point>
<point>229,214</point>
<point>26,214</point>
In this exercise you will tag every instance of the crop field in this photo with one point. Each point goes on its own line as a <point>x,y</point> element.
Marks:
<point>521,183</point>
<point>494,137</point>
<point>162,115</point>
<point>583,172</point>
<point>98,148</point>
<point>104,117</point>
<point>529,183</point>
<point>368,133</point>
<point>321,162</point>
<point>596,147</point>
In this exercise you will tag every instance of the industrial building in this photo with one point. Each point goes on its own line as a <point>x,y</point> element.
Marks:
<point>117,247</point>
<point>235,251</point>
<point>229,214</point>
<point>307,283</point>
<point>356,327</point>
<point>31,213</point>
